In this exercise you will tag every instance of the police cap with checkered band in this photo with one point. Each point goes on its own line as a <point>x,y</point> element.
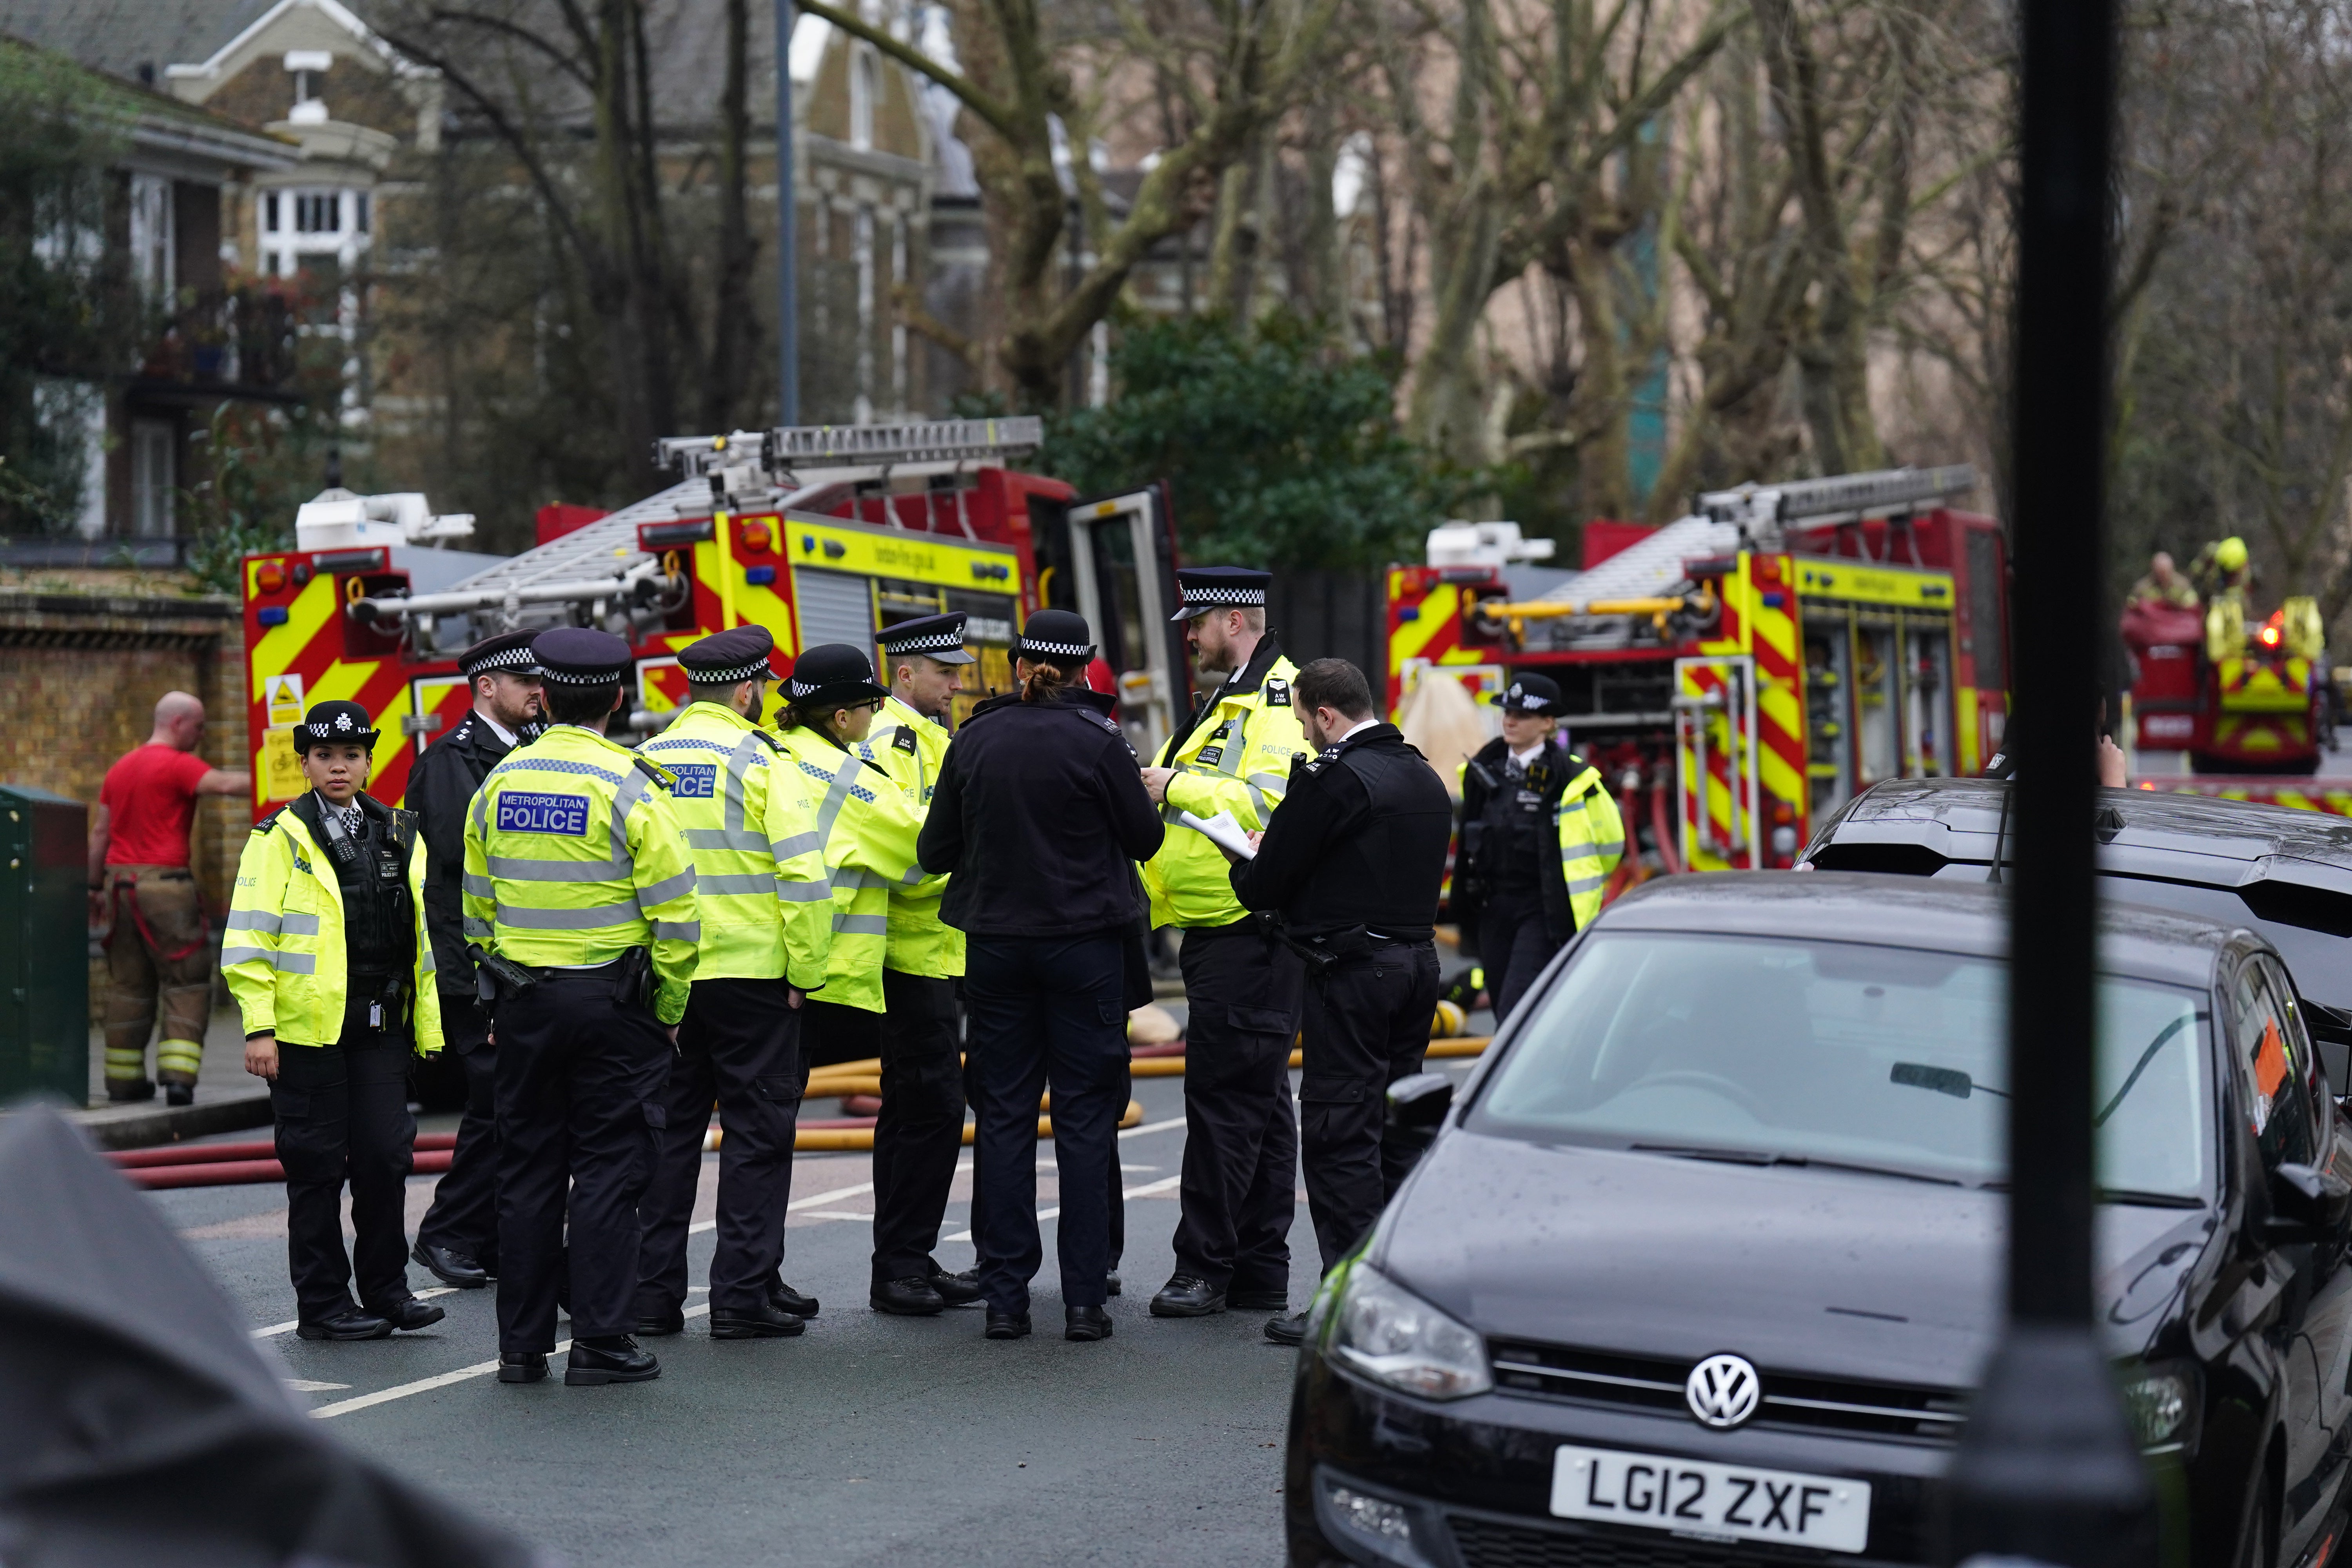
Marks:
<point>1531,694</point>
<point>1208,588</point>
<point>933,637</point>
<point>723,659</point>
<point>832,675</point>
<point>575,656</point>
<point>508,653</point>
<point>1056,635</point>
<point>332,723</point>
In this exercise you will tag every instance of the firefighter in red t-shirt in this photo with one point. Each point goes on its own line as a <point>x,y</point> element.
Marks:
<point>144,897</point>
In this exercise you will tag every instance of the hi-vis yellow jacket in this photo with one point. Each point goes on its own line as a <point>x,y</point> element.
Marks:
<point>1237,757</point>
<point>911,748</point>
<point>750,817</point>
<point>573,855</point>
<point>868,832</point>
<point>283,952</point>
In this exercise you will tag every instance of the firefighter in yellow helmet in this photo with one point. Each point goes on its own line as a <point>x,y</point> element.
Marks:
<point>2220,570</point>
<point>328,958</point>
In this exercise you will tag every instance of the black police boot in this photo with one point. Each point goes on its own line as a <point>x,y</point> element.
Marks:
<point>785,1299</point>
<point>911,1297</point>
<point>521,1366</point>
<point>660,1326</point>
<point>1188,1295</point>
<point>615,1359</point>
<point>1086,1323</point>
<point>410,1313</point>
<point>179,1094</point>
<point>451,1265</point>
<point>345,1322</point>
<point>1006,1325</point>
<point>1287,1331</point>
<point>1271,1299</point>
<point>956,1289</point>
<point>132,1092</point>
<point>765,1321</point>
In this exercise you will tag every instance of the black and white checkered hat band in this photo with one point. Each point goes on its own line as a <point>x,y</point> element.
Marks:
<point>802,688</point>
<point>1207,597</point>
<point>756,669</point>
<point>505,658</point>
<point>582,678</point>
<point>922,644</point>
<point>1054,649</point>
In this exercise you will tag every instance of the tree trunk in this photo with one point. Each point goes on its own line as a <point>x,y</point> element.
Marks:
<point>734,335</point>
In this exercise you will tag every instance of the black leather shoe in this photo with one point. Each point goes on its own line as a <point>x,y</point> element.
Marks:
<point>911,1297</point>
<point>614,1360</point>
<point>1006,1325</point>
<point>956,1289</point>
<point>526,1366</point>
<point>410,1314</point>
<point>1287,1331</point>
<point>763,1322</point>
<point>179,1094</point>
<point>785,1299</point>
<point>131,1093</point>
<point>1086,1323</point>
<point>1110,1283</point>
<point>1187,1296</point>
<point>659,1328</point>
<point>1268,1300</point>
<point>450,1266</point>
<point>346,1322</point>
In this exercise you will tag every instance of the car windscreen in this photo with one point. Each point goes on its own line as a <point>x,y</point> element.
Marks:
<point>2307,925</point>
<point>1782,1049</point>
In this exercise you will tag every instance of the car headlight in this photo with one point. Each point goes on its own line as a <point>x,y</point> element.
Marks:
<point>1393,1337</point>
<point>2161,1403</point>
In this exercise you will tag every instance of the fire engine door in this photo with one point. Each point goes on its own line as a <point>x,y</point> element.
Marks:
<point>1123,557</point>
<point>1716,773</point>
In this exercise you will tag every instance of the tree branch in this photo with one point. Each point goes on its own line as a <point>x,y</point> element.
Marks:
<point>999,116</point>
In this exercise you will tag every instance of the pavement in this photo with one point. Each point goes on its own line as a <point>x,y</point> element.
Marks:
<point>870,1440</point>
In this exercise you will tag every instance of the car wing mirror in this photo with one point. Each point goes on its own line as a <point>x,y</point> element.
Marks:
<point>2307,1205</point>
<point>1419,1103</point>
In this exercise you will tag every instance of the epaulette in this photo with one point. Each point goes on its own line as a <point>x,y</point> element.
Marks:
<point>905,739</point>
<point>655,772</point>
<point>1278,693</point>
<point>269,823</point>
<point>768,741</point>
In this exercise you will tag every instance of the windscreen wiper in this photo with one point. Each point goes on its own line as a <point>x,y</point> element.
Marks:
<point>2141,1198</point>
<point>1758,1157</point>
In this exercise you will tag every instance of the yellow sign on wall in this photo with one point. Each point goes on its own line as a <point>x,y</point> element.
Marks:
<point>281,769</point>
<point>282,696</point>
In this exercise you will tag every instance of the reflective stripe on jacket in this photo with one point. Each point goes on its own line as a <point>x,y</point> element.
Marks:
<point>283,949</point>
<point>573,855</point>
<point>1236,758</point>
<point>1591,842</point>
<point>910,749</point>
<point>868,833</point>
<point>750,828</point>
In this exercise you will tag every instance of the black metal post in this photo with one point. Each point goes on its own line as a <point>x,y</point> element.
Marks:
<point>788,283</point>
<point>2047,1470</point>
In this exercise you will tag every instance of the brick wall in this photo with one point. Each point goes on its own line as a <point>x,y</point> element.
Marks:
<point>79,675</point>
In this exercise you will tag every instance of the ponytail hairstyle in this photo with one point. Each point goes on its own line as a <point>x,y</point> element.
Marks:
<point>1046,679</point>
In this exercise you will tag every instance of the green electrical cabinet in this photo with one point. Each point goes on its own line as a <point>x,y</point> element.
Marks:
<point>43,945</point>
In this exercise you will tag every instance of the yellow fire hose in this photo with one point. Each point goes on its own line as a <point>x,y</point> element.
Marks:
<point>839,1139</point>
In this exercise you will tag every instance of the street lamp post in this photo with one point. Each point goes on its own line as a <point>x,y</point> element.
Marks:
<point>2047,1470</point>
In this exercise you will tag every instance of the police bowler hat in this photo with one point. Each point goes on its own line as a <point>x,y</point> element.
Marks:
<point>832,675</point>
<point>1056,635</point>
<point>332,723</point>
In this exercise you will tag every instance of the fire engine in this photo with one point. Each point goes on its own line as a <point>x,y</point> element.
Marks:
<point>821,535</point>
<point>1736,674</point>
<point>2229,702</point>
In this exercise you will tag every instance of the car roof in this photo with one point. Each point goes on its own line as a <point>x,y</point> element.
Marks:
<point>1911,912</point>
<point>2141,832</point>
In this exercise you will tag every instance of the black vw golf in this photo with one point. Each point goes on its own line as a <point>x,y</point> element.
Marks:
<point>1701,1268</point>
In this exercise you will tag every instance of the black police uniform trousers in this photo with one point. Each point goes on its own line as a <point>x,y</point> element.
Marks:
<point>1044,1011</point>
<point>1241,1130</point>
<point>1365,1026</point>
<point>918,1136</point>
<point>581,1071</point>
<point>341,1114</point>
<point>738,1045</point>
<point>465,1213</point>
<point>1514,945</point>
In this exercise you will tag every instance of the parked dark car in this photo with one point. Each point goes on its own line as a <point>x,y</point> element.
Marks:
<point>1701,1269</point>
<point>2283,873</point>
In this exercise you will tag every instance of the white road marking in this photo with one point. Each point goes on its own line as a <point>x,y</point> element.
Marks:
<point>274,1329</point>
<point>426,1384</point>
<point>312,1386</point>
<point>837,1214</point>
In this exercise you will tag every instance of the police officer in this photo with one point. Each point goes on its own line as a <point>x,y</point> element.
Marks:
<point>580,894</point>
<point>326,955</point>
<point>458,1237</point>
<point>919,1134</point>
<point>1352,864</point>
<point>1040,814</point>
<point>1541,833</point>
<point>1241,987</point>
<point>767,926</point>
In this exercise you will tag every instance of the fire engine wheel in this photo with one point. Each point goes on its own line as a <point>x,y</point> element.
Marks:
<point>1692,1078</point>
